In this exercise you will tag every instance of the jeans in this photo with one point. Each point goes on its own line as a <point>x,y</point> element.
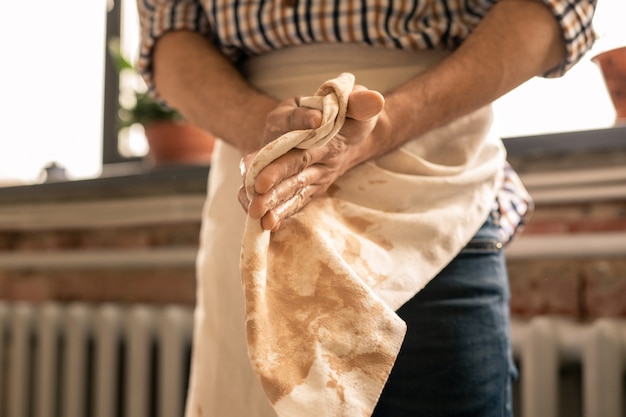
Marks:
<point>456,358</point>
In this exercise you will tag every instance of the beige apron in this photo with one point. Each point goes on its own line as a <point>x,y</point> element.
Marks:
<point>389,227</point>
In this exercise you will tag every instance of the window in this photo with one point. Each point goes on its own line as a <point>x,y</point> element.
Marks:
<point>52,89</point>
<point>577,101</point>
<point>53,72</point>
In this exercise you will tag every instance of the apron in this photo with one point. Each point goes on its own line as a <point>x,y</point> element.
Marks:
<point>389,227</point>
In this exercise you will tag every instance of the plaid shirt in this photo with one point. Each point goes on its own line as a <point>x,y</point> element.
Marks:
<point>246,28</point>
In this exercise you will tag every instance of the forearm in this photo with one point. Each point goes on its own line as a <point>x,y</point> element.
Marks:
<point>197,80</point>
<point>517,40</point>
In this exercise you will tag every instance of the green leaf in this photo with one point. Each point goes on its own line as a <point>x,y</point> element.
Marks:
<point>145,109</point>
<point>115,50</point>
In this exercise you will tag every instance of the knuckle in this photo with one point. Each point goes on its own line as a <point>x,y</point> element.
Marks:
<point>306,159</point>
<point>301,199</point>
<point>301,181</point>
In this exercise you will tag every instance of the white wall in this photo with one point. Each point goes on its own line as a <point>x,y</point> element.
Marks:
<point>51,86</point>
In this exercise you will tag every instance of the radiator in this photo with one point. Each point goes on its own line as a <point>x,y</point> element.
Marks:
<point>570,369</point>
<point>78,360</point>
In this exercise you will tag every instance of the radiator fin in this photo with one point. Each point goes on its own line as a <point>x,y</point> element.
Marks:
<point>78,360</point>
<point>109,360</point>
<point>545,346</point>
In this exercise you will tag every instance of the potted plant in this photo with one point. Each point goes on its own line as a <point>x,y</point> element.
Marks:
<point>171,139</point>
<point>612,64</point>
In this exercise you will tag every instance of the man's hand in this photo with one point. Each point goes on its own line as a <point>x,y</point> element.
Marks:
<point>289,183</point>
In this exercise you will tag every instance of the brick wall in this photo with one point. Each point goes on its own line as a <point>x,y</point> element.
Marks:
<point>580,287</point>
<point>134,282</point>
<point>126,240</point>
<point>585,285</point>
<point>570,260</point>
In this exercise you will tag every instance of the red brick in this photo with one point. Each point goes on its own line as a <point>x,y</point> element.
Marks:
<point>597,225</point>
<point>545,227</point>
<point>179,234</point>
<point>544,287</point>
<point>605,288</point>
<point>600,216</point>
<point>160,286</point>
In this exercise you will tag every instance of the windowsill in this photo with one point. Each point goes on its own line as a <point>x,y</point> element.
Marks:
<point>597,140</point>
<point>549,152</point>
<point>130,180</point>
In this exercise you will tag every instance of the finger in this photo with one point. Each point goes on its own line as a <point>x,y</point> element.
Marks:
<point>292,117</point>
<point>363,104</point>
<point>305,118</point>
<point>245,162</point>
<point>274,218</point>
<point>242,196</point>
<point>282,192</point>
<point>286,166</point>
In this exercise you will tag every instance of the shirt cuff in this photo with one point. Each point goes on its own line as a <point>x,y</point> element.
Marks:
<point>156,18</point>
<point>575,19</point>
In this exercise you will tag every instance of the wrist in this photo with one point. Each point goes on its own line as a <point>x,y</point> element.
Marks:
<point>248,133</point>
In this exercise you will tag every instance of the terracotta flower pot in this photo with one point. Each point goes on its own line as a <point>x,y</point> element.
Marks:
<point>178,143</point>
<point>612,63</point>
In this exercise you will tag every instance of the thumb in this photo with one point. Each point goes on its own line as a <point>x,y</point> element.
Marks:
<point>363,104</point>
